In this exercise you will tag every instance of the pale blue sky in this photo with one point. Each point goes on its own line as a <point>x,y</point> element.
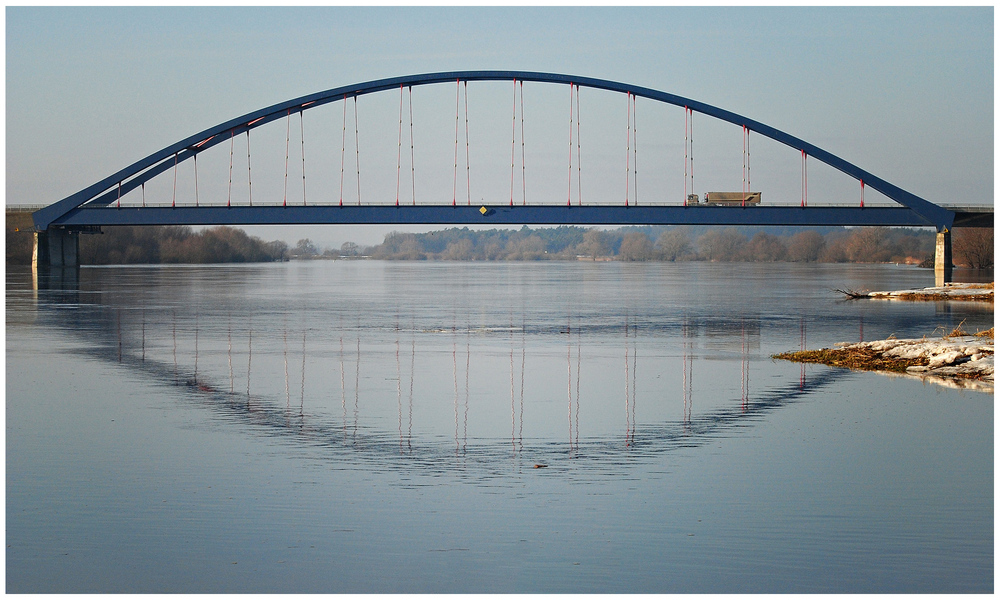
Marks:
<point>906,93</point>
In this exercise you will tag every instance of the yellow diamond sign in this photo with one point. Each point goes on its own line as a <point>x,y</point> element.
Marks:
<point>483,210</point>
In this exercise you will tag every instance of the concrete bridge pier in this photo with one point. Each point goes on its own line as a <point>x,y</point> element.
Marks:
<point>942,258</point>
<point>56,248</point>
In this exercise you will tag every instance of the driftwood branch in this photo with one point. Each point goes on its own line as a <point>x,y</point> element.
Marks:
<point>852,294</point>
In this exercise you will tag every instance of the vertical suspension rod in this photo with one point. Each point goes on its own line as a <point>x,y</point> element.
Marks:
<point>523,174</point>
<point>399,142</point>
<point>173,200</point>
<point>343,151</point>
<point>628,141</point>
<point>685,156</point>
<point>288,125</point>
<point>635,160</point>
<point>357,147</point>
<point>468,172</point>
<point>805,180</point>
<point>229,197</point>
<point>249,178</point>
<point>743,200</point>
<point>513,139</point>
<point>569,187</point>
<point>579,176</point>
<point>691,112</point>
<point>454,185</point>
<point>302,138</point>
<point>195,179</point>
<point>413,170</point>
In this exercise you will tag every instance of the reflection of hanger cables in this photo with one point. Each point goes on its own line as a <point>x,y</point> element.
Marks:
<point>302,389</point>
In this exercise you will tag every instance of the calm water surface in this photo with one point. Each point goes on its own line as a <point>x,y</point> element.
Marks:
<point>363,426</point>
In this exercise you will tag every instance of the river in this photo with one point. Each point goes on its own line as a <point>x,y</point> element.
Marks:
<point>368,426</point>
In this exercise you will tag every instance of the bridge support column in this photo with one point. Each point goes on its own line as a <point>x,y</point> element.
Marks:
<point>942,258</point>
<point>56,248</point>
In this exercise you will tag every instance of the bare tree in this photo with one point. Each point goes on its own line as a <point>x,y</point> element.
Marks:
<point>673,244</point>
<point>594,244</point>
<point>805,246</point>
<point>722,244</point>
<point>868,245</point>
<point>635,247</point>
<point>973,247</point>
<point>527,248</point>
<point>305,249</point>
<point>458,250</point>
<point>765,247</point>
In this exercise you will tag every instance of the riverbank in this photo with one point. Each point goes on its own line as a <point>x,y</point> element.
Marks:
<point>969,292</point>
<point>958,359</point>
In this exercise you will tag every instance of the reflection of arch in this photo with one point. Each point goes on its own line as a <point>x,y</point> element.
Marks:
<point>384,449</point>
<point>131,177</point>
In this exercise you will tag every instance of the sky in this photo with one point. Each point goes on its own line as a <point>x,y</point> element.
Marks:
<point>905,93</point>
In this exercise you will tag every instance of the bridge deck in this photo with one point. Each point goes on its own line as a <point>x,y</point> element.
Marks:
<point>494,215</point>
<point>518,215</point>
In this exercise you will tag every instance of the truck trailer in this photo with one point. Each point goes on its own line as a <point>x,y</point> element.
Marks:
<point>732,198</point>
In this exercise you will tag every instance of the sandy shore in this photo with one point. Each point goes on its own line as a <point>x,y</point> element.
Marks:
<point>961,360</point>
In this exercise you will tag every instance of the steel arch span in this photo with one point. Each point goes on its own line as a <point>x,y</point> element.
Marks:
<point>914,211</point>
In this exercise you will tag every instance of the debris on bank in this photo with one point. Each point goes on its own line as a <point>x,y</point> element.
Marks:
<point>976,292</point>
<point>959,359</point>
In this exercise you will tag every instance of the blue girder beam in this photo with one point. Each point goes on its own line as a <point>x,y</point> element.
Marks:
<point>493,215</point>
<point>107,190</point>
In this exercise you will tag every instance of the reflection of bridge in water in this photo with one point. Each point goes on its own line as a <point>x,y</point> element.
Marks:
<point>173,347</point>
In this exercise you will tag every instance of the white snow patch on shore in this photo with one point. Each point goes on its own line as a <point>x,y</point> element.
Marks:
<point>960,356</point>
<point>957,291</point>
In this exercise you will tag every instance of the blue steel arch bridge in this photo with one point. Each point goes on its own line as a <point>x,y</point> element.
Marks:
<point>120,198</point>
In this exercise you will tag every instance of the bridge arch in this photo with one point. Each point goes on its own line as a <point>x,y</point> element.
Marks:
<point>106,190</point>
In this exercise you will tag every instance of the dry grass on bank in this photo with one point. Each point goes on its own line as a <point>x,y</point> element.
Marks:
<point>957,353</point>
<point>853,358</point>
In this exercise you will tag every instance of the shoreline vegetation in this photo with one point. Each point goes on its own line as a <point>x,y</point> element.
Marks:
<point>959,358</point>
<point>179,244</point>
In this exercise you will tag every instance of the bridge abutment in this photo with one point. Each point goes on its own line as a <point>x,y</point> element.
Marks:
<point>56,248</point>
<point>942,258</point>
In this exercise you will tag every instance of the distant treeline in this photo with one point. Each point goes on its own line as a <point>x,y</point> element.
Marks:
<point>175,244</point>
<point>865,244</point>
<point>152,245</point>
